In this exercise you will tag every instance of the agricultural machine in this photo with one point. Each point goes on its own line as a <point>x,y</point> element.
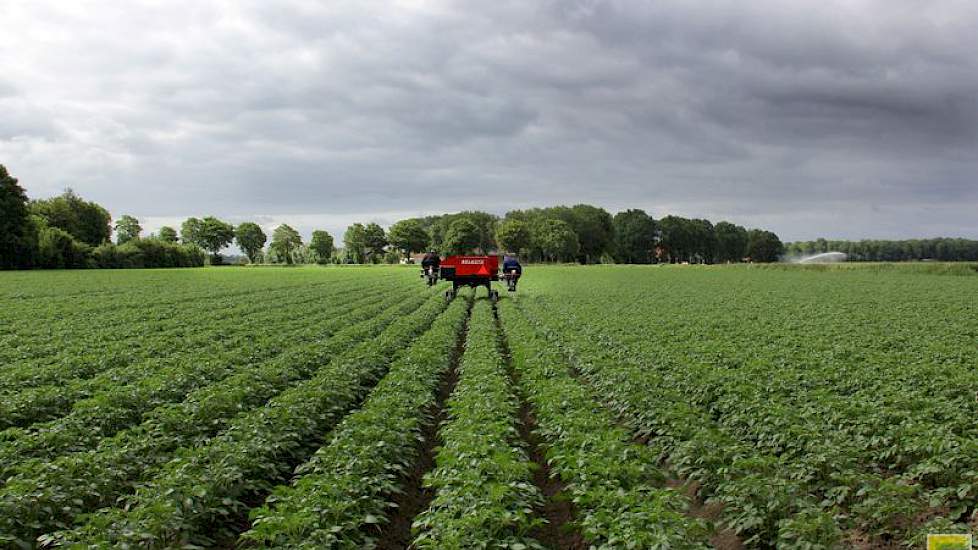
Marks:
<point>471,271</point>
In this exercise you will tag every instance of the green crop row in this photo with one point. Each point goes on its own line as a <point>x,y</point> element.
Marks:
<point>345,490</point>
<point>484,494</point>
<point>873,457</point>
<point>809,419</point>
<point>759,496</point>
<point>190,499</point>
<point>246,342</point>
<point>122,336</point>
<point>616,488</point>
<point>44,496</point>
<point>124,315</point>
<point>144,298</point>
<point>86,353</point>
<point>119,406</point>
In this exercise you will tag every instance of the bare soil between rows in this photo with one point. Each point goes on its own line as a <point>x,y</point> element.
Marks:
<point>558,532</point>
<point>415,497</point>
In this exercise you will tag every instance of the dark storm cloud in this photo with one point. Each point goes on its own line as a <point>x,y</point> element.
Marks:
<point>843,119</point>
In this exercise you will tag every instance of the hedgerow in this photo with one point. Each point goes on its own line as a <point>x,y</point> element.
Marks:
<point>346,489</point>
<point>484,494</point>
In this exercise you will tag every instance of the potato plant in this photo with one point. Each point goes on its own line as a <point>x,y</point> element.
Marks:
<point>222,347</point>
<point>187,498</point>
<point>282,407</point>
<point>804,402</point>
<point>615,485</point>
<point>83,352</point>
<point>345,490</point>
<point>45,495</point>
<point>119,406</point>
<point>484,494</point>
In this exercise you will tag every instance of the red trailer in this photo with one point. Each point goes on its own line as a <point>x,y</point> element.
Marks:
<point>472,271</point>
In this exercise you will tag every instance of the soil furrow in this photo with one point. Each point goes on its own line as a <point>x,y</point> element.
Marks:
<point>558,531</point>
<point>721,538</point>
<point>415,498</point>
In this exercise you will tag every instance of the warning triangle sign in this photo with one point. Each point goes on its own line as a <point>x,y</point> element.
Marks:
<point>483,270</point>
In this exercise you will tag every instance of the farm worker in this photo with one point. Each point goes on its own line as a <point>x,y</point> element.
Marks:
<point>430,260</point>
<point>510,264</point>
<point>511,271</point>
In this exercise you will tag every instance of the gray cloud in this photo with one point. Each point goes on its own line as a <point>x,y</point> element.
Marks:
<point>843,119</point>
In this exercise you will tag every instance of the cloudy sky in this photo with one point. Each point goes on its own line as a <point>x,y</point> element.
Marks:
<point>844,119</point>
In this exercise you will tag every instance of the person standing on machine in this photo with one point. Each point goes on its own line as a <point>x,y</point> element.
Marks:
<point>511,271</point>
<point>429,266</point>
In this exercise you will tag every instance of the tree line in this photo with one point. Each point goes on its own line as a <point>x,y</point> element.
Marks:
<point>69,232</point>
<point>941,249</point>
<point>581,233</point>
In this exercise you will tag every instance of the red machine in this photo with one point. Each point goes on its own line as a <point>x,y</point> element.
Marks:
<point>472,271</point>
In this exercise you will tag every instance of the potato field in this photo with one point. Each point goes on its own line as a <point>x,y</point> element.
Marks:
<point>599,407</point>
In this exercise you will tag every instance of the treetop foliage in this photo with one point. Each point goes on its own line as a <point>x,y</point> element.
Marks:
<point>251,239</point>
<point>68,231</point>
<point>322,246</point>
<point>86,221</point>
<point>941,249</point>
<point>17,233</point>
<point>127,228</point>
<point>285,240</point>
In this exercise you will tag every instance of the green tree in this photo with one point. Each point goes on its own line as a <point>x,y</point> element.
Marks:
<point>18,237</point>
<point>462,237</point>
<point>731,242</point>
<point>322,246</point>
<point>355,243</point>
<point>634,237</point>
<point>484,222</point>
<point>251,239</point>
<point>409,236</point>
<point>168,234</point>
<point>191,232</point>
<point>675,238</point>
<point>86,221</point>
<point>214,236</point>
<point>58,249</point>
<point>127,229</point>
<point>763,246</point>
<point>375,240</point>
<point>594,229</point>
<point>703,241</point>
<point>514,236</point>
<point>284,241</point>
<point>558,241</point>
